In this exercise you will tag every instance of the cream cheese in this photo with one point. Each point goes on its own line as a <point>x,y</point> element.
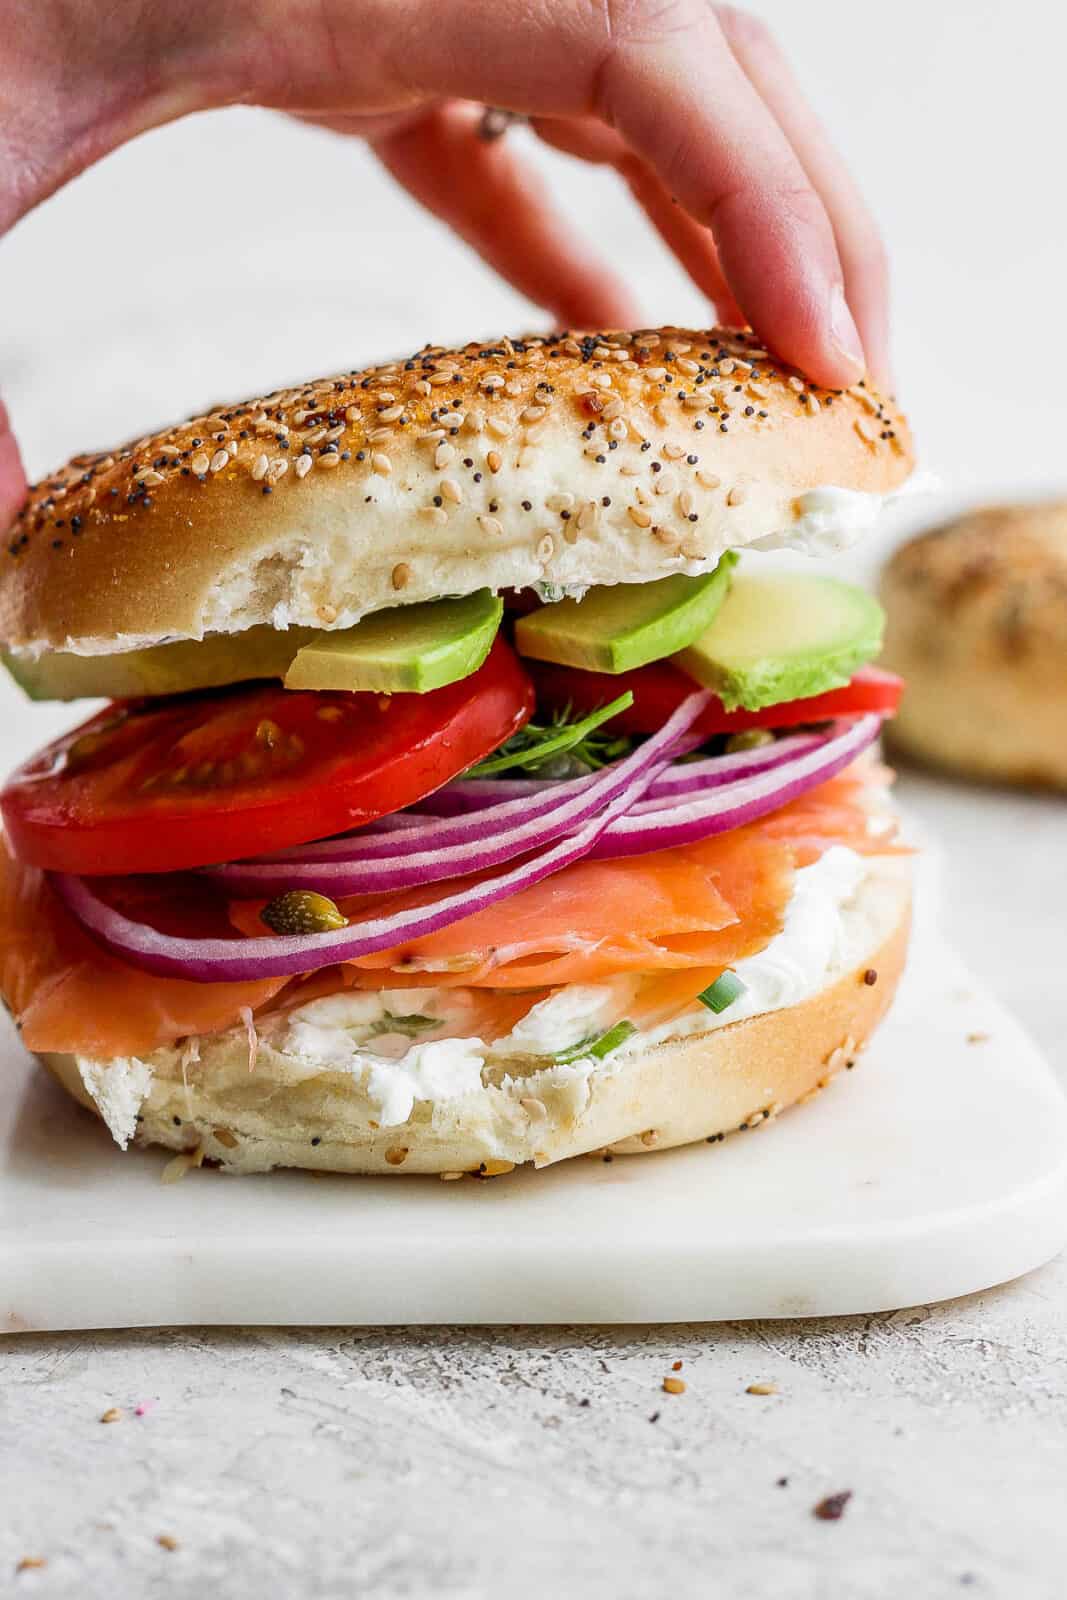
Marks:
<point>118,1089</point>
<point>829,519</point>
<point>820,936</point>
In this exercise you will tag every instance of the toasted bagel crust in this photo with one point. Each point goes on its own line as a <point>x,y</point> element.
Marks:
<point>571,460</point>
<point>977,625</point>
<point>286,1114</point>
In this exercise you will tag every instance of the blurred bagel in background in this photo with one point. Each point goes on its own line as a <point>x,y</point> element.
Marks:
<point>977,624</point>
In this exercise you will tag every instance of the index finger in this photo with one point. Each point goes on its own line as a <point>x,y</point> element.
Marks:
<point>663,74</point>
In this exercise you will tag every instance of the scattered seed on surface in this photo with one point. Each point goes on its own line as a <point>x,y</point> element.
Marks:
<point>674,1385</point>
<point>832,1508</point>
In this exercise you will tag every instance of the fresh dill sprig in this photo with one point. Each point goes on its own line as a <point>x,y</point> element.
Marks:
<point>581,742</point>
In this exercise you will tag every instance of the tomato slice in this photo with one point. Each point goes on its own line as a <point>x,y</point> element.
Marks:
<point>659,689</point>
<point>153,786</point>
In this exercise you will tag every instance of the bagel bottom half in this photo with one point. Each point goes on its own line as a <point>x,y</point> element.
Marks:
<point>678,1091</point>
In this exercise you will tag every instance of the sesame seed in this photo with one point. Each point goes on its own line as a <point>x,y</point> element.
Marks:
<point>812,403</point>
<point>475,421</point>
<point>673,452</point>
<point>867,432</point>
<point>639,518</point>
<point>657,374</point>
<point>381,463</point>
<point>708,480</point>
<point>641,494</point>
<point>694,402</point>
<point>200,463</point>
<point>736,495</point>
<point>444,453</point>
<point>665,482</point>
<point>498,428</point>
<point>685,503</point>
<point>451,490</point>
<point>329,458</point>
<point>390,413</point>
<point>494,460</point>
<point>301,466</point>
<point>667,536</point>
<point>401,575</point>
<point>562,501</point>
<point>278,468</point>
<point>433,513</point>
<point>490,525</point>
<point>796,384</point>
<point>547,548</point>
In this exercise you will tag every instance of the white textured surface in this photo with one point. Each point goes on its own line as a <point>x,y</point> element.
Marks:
<point>462,1465</point>
<point>938,1169</point>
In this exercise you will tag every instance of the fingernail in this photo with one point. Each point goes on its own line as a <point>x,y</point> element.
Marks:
<point>843,330</point>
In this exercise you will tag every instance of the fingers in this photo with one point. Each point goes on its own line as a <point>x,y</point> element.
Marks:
<point>12,477</point>
<point>859,244</point>
<point>678,95</point>
<point>498,206</point>
<point>691,243</point>
<point>663,75</point>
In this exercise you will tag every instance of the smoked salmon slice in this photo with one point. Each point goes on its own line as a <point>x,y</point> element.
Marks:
<point>676,918</point>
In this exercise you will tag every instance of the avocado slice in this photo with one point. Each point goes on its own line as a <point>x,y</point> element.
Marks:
<point>406,649</point>
<point>784,636</point>
<point>261,652</point>
<point>627,625</point>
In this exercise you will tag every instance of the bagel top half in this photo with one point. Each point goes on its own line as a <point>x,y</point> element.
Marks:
<point>567,461</point>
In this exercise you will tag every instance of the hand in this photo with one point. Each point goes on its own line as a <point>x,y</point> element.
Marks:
<point>692,103</point>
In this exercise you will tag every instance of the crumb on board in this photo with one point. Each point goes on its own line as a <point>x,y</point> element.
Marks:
<point>167,1541</point>
<point>31,1563</point>
<point>762,1388</point>
<point>832,1507</point>
<point>977,1038</point>
<point>112,1414</point>
<point>674,1385</point>
<point>676,1366</point>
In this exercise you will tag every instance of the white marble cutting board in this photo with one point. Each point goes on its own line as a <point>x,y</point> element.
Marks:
<point>937,1167</point>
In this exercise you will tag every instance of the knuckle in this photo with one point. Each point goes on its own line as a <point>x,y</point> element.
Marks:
<point>747,34</point>
<point>648,21</point>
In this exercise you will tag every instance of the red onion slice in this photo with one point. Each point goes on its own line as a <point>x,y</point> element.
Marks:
<point>652,825</point>
<point>233,960</point>
<point>442,847</point>
<point>508,801</point>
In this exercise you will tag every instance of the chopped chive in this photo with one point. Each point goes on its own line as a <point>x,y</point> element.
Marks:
<point>598,1047</point>
<point>612,1039</point>
<point>722,993</point>
<point>534,744</point>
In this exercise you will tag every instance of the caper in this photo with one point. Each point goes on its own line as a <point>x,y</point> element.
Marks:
<point>748,739</point>
<point>302,911</point>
